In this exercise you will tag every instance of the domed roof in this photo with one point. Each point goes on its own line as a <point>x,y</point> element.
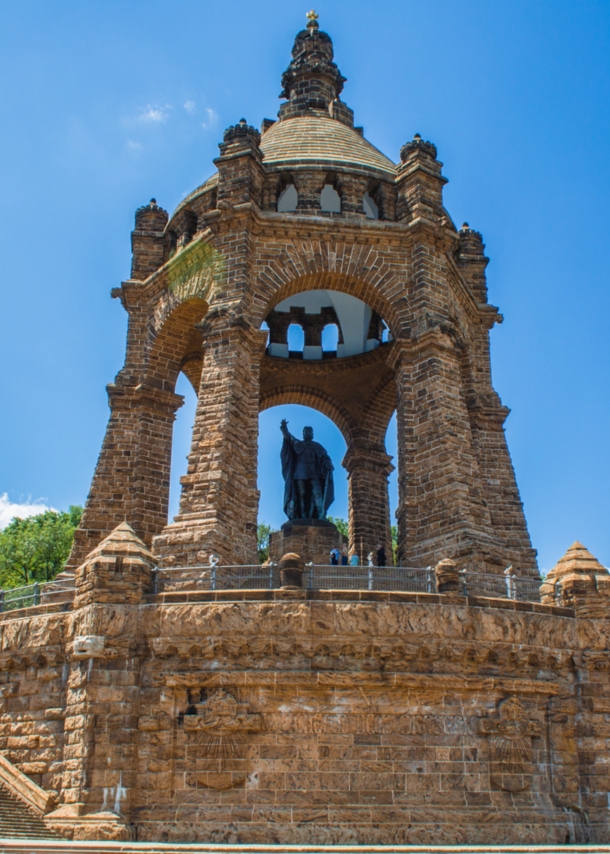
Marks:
<point>321,140</point>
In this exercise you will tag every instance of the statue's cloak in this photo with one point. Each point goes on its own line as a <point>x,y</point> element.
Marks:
<point>289,456</point>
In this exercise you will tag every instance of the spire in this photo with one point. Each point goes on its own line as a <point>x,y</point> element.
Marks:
<point>312,81</point>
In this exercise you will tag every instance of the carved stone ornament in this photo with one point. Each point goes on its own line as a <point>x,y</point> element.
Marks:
<point>216,735</point>
<point>89,646</point>
<point>510,745</point>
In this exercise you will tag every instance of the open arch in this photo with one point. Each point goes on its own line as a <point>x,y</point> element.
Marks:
<point>182,436</point>
<point>330,337</point>
<point>365,275</point>
<point>176,344</point>
<point>313,399</point>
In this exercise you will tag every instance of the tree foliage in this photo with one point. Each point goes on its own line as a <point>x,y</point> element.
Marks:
<point>262,536</point>
<point>36,548</point>
<point>340,524</point>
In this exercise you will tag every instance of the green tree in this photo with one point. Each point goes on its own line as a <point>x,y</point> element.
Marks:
<point>340,524</point>
<point>36,548</point>
<point>262,536</point>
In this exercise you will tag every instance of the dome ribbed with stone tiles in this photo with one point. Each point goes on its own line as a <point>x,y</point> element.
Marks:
<point>310,140</point>
<point>314,127</point>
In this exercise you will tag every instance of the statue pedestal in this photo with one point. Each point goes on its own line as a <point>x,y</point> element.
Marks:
<point>312,539</point>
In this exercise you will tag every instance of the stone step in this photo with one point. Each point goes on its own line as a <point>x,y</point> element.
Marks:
<point>18,821</point>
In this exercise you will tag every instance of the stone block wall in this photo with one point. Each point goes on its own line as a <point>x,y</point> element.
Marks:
<point>33,682</point>
<point>295,716</point>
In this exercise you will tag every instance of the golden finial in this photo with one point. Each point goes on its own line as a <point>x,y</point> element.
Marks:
<point>313,16</point>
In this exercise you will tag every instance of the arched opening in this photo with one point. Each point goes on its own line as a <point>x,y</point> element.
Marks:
<point>330,200</point>
<point>330,338</point>
<point>288,200</point>
<point>391,446</point>
<point>296,340</point>
<point>265,328</point>
<point>370,207</point>
<point>181,441</point>
<point>312,324</point>
<point>270,480</point>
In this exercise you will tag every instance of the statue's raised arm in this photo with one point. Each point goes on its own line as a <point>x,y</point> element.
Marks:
<point>286,432</point>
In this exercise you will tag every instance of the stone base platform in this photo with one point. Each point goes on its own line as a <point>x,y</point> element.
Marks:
<point>312,539</point>
<point>38,846</point>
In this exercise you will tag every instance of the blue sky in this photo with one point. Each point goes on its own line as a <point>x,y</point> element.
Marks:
<point>103,105</point>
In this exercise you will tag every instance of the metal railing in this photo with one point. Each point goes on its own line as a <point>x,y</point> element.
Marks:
<point>45,593</point>
<point>505,586</point>
<point>315,577</point>
<point>322,577</point>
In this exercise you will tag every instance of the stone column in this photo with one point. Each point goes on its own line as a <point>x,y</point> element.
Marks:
<point>440,512</point>
<point>131,480</point>
<point>487,416</point>
<point>219,502</point>
<point>369,507</point>
<point>103,692</point>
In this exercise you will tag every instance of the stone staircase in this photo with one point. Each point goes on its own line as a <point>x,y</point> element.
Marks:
<point>17,821</point>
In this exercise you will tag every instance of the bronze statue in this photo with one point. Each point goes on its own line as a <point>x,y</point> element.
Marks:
<point>308,476</point>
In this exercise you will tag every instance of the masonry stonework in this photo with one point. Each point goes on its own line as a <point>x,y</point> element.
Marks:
<point>299,716</point>
<point>289,714</point>
<point>205,279</point>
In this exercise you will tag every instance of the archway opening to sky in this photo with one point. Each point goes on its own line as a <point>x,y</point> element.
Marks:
<point>391,446</point>
<point>181,445</point>
<point>270,480</point>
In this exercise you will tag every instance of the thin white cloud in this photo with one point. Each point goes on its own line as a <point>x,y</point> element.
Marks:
<point>154,114</point>
<point>212,118</point>
<point>189,106</point>
<point>10,509</point>
<point>131,143</point>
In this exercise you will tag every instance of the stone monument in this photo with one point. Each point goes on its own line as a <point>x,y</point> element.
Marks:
<point>458,703</point>
<point>308,493</point>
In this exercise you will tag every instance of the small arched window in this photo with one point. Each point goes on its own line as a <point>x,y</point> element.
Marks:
<point>330,338</point>
<point>288,200</point>
<point>265,328</point>
<point>370,208</point>
<point>296,338</point>
<point>330,200</point>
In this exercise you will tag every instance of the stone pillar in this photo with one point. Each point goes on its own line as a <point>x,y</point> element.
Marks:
<point>368,470</point>
<point>309,186</point>
<point>219,502</point>
<point>447,577</point>
<point>102,699</point>
<point>352,193</point>
<point>131,480</point>
<point>440,511</point>
<point>487,416</point>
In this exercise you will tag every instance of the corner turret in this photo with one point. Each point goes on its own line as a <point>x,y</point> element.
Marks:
<point>147,240</point>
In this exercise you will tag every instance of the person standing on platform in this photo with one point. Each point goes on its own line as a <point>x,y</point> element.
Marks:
<point>344,556</point>
<point>334,556</point>
<point>381,558</point>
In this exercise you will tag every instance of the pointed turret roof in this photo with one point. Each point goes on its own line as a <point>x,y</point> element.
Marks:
<point>577,560</point>
<point>123,540</point>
